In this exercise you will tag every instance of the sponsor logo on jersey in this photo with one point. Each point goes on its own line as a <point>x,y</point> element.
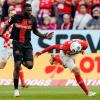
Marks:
<point>23,26</point>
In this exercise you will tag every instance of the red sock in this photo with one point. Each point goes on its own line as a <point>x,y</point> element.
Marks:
<point>81,83</point>
<point>21,76</point>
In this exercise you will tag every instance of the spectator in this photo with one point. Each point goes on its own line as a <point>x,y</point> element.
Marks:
<point>88,4</point>
<point>1,2</point>
<point>66,22</point>
<point>94,2</point>
<point>17,4</point>
<point>74,6</point>
<point>30,1</point>
<point>35,7</point>
<point>0,11</point>
<point>45,8</point>
<point>64,6</point>
<point>81,18</point>
<point>5,7</point>
<point>53,23</point>
<point>46,23</point>
<point>61,8</point>
<point>94,23</point>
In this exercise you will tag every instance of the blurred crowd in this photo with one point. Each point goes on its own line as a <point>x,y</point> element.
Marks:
<point>58,14</point>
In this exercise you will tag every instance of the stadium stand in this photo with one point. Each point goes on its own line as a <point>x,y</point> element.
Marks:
<point>51,14</point>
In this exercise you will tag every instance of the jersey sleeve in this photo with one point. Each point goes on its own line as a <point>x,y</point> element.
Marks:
<point>66,46</point>
<point>57,47</point>
<point>34,24</point>
<point>84,44</point>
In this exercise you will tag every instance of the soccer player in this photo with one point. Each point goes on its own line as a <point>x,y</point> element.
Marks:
<point>6,50</point>
<point>67,58</point>
<point>21,36</point>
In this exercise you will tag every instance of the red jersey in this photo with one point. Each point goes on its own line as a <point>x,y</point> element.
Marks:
<point>7,41</point>
<point>63,7</point>
<point>80,2</point>
<point>66,46</point>
<point>18,8</point>
<point>45,4</point>
<point>94,2</point>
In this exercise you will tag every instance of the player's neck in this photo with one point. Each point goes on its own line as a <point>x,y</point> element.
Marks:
<point>27,15</point>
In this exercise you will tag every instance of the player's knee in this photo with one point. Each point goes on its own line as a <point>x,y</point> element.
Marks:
<point>76,71</point>
<point>30,66</point>
<point>17,66</point>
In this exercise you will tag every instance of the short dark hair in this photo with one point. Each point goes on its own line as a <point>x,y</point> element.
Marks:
<point>93,7</point>
<point>83,5</point>
<point>26,5</point>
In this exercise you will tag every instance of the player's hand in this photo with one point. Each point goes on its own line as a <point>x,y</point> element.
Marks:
<point>49,35</point>
<point>37,54</point>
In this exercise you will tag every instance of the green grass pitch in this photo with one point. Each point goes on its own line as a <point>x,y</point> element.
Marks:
<point>48,93</point>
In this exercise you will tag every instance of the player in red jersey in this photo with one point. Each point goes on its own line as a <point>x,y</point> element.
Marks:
<point>6,50</point>
<point>70,49</point>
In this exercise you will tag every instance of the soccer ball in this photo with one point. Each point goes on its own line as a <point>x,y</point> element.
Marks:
<point>75,47</point>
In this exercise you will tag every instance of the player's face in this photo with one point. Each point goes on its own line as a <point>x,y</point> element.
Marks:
<point>28,10</point>
<point>83,9</point>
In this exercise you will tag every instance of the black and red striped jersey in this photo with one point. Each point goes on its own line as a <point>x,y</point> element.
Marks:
<point>22,26</point>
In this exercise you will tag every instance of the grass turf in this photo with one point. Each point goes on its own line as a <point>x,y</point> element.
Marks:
<point>48,93</point>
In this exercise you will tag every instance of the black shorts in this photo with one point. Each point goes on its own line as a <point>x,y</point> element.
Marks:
<point>22,52</point>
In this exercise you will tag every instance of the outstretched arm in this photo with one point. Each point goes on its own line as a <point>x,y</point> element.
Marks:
<point>4,29</point>
<point>47,35</point>
<point>57,47</point>
<point>36,32</point>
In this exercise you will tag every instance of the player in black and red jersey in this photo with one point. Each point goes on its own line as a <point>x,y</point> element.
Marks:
<point>21,36</point>
<point>6,52</point>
